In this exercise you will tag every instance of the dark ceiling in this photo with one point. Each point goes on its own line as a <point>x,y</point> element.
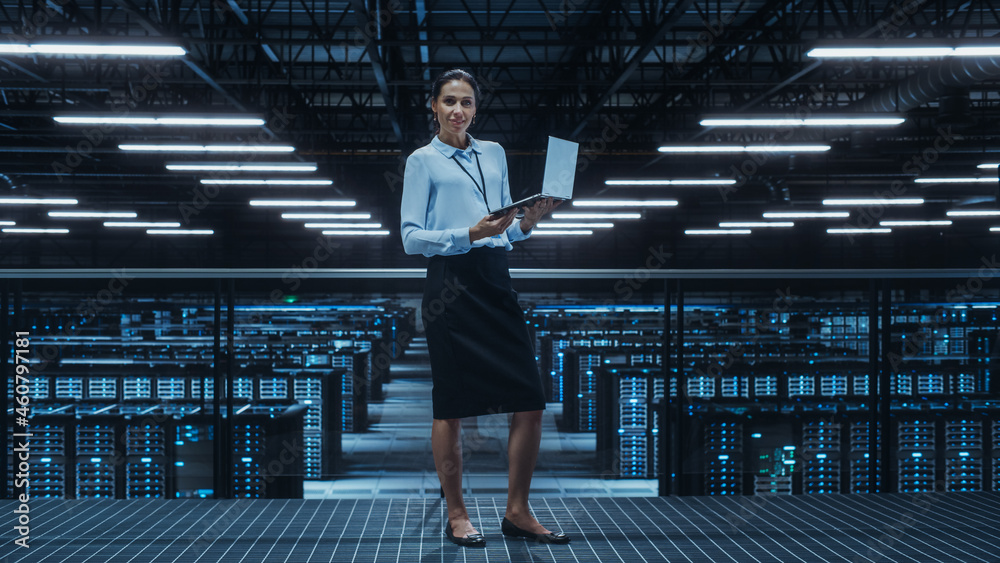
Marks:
<point>347,83</point>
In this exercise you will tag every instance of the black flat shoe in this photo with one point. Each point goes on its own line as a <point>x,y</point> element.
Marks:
<point>510,530</point>
<point>471,540</point>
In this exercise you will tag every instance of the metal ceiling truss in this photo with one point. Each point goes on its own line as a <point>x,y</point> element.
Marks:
<point>353,79</point>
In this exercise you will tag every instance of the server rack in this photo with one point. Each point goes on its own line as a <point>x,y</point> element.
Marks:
<point>628,404</point>
<point>152,451</point>
<point>580,367</point>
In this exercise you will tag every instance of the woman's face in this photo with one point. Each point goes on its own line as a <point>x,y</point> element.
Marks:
<point>455,107</point>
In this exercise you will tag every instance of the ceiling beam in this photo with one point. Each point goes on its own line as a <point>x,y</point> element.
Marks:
<point>371,49</point>
<point>651,42</point>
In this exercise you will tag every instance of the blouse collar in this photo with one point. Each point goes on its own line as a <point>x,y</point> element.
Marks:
<point>449,151</point>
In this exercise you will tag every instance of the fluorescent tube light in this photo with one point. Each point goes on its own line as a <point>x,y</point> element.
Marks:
<point>827,121</point>
<point>986,180</point>
<point>558,225</point>
<point>973,213</point>
<point>973,51</point>
<point>563,232</point>
<point>180,232</point>
<point>875,230</point>
<point>571,216</point>
<point>8,223</point>
<point>322,216</point>
<point>624,203</point>
<point>207,148</point>
<point>879,52</point>
<point>146,224</point>
<point>875,201</point>
<point>234,167</point>
<point>172,121</point>
<point>681,182</point>
<point>743,148</point>
<point>300,203</point>
<point>914,49</point>
<point>993,165</point>
<point>711,232</point>
<point>806,214</point>
<point>267,182</point>
<point>36,201</point>
<point>16,50</point>
<point>932,223</point>
<point>94,214</point>
<point>343,225</point>
<point>94,49</point>
<point>995,229</point>
<point>24,230</point>
<point>351,232</point>
<point>754,224</point>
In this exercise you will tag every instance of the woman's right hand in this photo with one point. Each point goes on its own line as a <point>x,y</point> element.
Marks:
<point>491,225</point>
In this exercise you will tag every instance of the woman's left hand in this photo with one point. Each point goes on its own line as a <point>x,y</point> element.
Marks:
<point>534,213</point>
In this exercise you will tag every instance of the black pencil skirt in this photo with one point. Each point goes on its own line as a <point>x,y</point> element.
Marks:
<point>482,357</point>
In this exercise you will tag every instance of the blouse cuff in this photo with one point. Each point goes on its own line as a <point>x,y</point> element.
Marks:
<point>514,233</point>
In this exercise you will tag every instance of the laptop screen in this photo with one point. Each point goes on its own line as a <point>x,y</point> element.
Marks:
<point>560,168</point>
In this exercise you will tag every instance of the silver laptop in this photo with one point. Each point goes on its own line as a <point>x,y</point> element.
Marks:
<point>560,172</point>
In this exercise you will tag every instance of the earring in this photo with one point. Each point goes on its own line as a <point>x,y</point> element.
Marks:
<point>473,120</point>
<point>435,117</point>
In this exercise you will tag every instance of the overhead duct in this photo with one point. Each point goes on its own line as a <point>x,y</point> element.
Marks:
<point>928,86</point>
<point>932,85</point>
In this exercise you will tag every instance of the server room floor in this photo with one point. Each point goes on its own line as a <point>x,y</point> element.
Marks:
<point>945,528</point>
<point>393,458</point>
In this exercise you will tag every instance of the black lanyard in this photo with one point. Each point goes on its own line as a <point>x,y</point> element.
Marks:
<point>482,178</point>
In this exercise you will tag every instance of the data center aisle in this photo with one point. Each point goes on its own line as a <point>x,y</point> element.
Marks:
<point>393,459</point>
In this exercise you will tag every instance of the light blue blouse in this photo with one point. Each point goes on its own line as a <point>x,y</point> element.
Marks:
<point>441,202</point>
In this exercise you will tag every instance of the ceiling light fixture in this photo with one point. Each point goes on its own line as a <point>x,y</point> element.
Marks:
<point>559,225</point>
<point>859,51</point>
<point>355,232</point>
<point>24,230</point>
<point>713,232</point>
<point>207,148</point>
<point>321,216</point>
<point>688,149</point>
<point>234,167</point>
<point>343,225</point>
<point>931,223</point>
<point>624,203</point>
<point>267,182</point>
<point>126,224</point>
<point>987,180</point>
<point>875,230</point>
<point>36,201</point>
<point>993,165</point>
<point>563,232</point>
<point>806,214</point>
<point>815,121</point>
<point>301,203</point>
<point>572,216</point>
<point>681,182</point>
<point>754,224</point>
<point>94,214</point>
<point>176,121</point>
<point>973,213</point>
<point>874,201</point>
<point>180,232</point>
<point>93,49</point>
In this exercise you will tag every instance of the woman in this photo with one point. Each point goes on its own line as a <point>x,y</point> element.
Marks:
<point>482,359</point>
